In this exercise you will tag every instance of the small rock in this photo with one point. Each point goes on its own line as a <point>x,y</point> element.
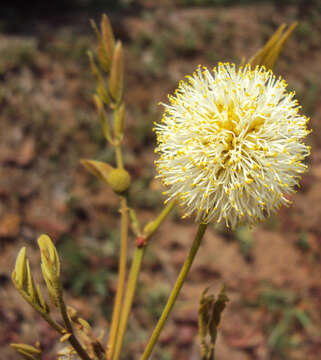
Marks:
<point>27,153</point>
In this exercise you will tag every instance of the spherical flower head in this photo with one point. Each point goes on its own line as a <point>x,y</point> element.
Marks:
<point>231,144</point>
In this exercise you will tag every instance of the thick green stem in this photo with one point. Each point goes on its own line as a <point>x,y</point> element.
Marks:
<point>61,330</point>
<point>44,314</point>
<point>173,296</point>
<point>121,280</point>
<point>134,221</point>
<point>119,157</point>
<point>133,276</point>
<point>72,339</point>
<point>128,300</point>
<point>151,227</point>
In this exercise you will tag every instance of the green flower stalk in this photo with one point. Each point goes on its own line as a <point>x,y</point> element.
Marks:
<point>175,292</point>
<point>141,243</point>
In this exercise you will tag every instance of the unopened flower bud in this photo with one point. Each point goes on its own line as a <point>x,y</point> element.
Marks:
<point>119,180</point>
<point>50,266</point>
<point>27,351</point>
<point>117,74</point>
<point>270,52</point>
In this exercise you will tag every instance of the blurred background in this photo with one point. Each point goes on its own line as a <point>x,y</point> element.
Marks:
<point>48,122</point>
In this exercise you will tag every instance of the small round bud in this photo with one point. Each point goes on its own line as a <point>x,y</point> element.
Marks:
<point>119,180</point>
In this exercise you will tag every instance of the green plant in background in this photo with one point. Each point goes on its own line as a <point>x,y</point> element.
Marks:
<point>244,235</point>
<point>78,260</point>
<point>221,157</point>
<point>284,313</point>
<point>16,51</point>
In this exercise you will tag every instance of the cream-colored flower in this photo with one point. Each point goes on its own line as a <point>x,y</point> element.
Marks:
<point>231,144</point>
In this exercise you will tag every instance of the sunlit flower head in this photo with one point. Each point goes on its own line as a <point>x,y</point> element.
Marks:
<point>231,144</point>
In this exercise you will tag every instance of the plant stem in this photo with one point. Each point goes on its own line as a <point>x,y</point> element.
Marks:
<point>119,157</point>
<point>133,277</point>
<point>121,280</point>
<point>134,221</point>
<point>44,315</point>
<point>151,227</point>
<point>128,299</point>
<point>72,339</point>
<point>60,329</point>
<point>177,287</point>
<point>78,348</point>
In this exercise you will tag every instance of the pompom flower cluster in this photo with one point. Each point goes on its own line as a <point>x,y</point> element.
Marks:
<point>231,144</point>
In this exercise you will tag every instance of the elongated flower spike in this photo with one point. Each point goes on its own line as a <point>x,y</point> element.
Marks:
<point>49,255</point>
<point>23,281</point>
<point>50,266</point>
<point>103,119</point>
<point>19,275</point>
<point>106,42</point>
<point>107,34</point>
<point>101,88</point>
<point>270,52</point>
<point>230,144</point>
<point>32,291</point>
<point>117,74</point>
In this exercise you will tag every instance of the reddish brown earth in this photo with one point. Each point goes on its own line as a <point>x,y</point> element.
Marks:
<point>48,123</point>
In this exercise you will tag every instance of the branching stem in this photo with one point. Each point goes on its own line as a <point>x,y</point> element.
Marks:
<point>128,299</point>
<point>72,339</point>
<point>119,157</point>
<point>133,277</point>
<point>121,280</point>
